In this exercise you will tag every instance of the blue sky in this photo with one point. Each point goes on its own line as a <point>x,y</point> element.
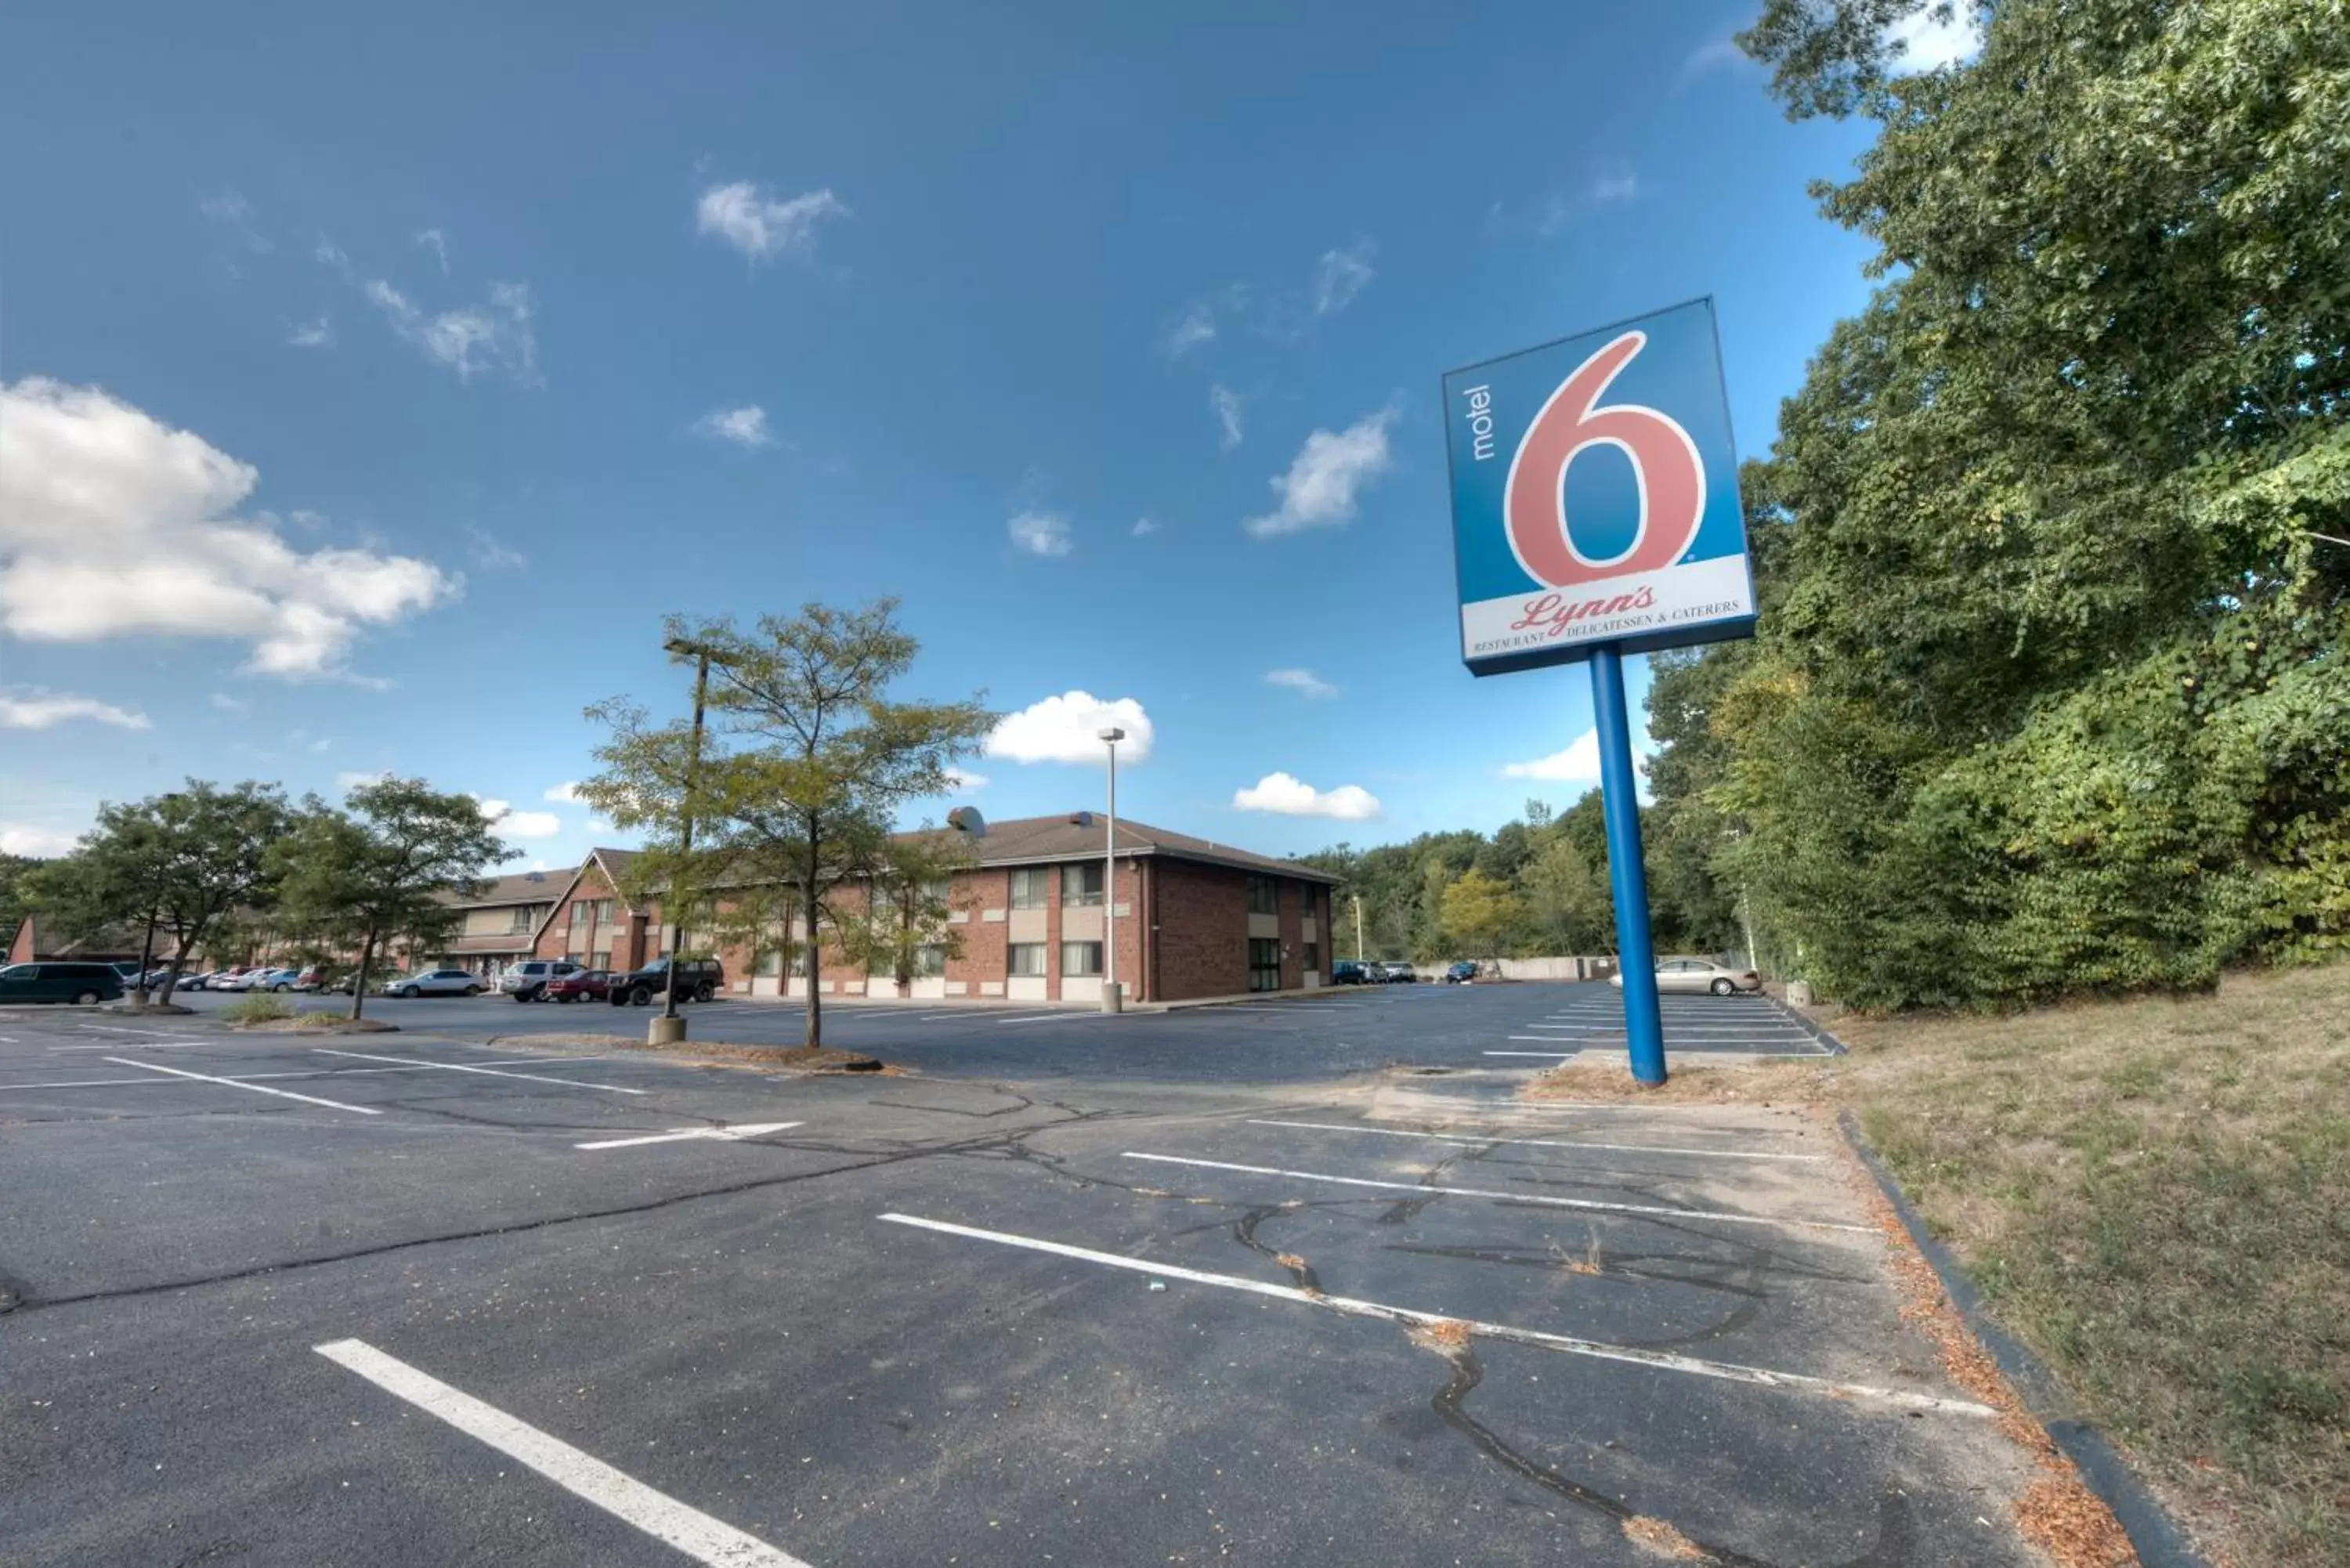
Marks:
<point>378,377</point>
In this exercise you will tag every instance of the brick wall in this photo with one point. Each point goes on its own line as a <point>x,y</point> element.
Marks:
<point>625,936</point>
<point>983,956</point>
<point>1202,915</point>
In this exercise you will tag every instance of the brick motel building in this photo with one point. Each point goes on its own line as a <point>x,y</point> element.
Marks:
<point>1193,918</point>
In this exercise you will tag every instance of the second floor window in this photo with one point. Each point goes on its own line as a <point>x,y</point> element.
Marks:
<point>1263,896</point>
<point>1081,885</point>
<point>1029,887</point>
<point>524,919</point>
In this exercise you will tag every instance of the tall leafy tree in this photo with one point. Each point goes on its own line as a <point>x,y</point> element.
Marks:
<point>176,865</point>
<point>808,761</point>
<point>386,868</point>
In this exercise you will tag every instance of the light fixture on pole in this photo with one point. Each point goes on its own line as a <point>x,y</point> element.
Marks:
<point>670,1027</point>
<point>1111,1000</point>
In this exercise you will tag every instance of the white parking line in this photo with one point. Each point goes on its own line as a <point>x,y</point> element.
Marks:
<point>725,1135</point>
<point>312,1073</point>
<point>1354,1307</point>
<point>1657,1210</point>
<point>1537,1142</point>
<point>486,1072</point>
<point>618,1493</point>
<point>1043,1017</point>
<point>256,1088</point>
<point>109,1029</point>
<point>118,1045</point>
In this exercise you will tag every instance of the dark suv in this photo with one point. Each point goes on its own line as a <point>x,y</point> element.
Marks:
<point>698,979</point>
<point>80,983</point>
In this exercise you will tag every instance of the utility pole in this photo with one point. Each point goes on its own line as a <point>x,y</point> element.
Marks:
<point>701,653</point>
<point>1111,1000</point>
<point>1358,928</point>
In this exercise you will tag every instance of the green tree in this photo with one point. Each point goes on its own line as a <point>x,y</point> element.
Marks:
<point>2050,689</point>
<point>15,904</point>
<point>1568,899</point>
<point>388,867</point>
<point>808,763</point>
<point>904,921</point>
<point>174,866</point>
<point>1480,914</point>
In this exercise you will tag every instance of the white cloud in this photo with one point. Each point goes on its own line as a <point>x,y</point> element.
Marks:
<point>963,781</point>
<point>1066,729</point>
<point>1041,534</point>
<point>566,791</point>
<point>350,781</point>
<point>1289,796</point>
<point>1226,404</point>
<point>114,524</point>
<point>1715,54</point>
<point>755,223</point>
<point>746,426</point>
<point>228,704</point>
<point>1927,43</point>
<point>1196,325</point>
<point>1304,682</point>
<point>233,209</point>
<point>1144,526</point>
<point>513,824</point>
<point>317,333</point>
<point>1322,483</point>
<point>1340,275</point>
<point>493,334</point>
<point>39,711</point>
<point>493,554</point>
<point>438,243</point>
<point>331,254</point>
<point>1619,186</point>
<point>31,838</point>
<point>1578,764</point>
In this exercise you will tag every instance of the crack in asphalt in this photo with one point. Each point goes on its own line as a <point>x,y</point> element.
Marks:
<point>520,1226</point>
<point>1895,1537</point>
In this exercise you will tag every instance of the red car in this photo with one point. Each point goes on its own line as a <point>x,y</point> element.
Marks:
<point>588,986</point>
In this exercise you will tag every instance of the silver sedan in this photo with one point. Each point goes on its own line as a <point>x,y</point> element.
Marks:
<point>1696,976</point>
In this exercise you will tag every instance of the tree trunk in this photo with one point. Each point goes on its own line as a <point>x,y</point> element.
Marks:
<point>814,946</point>
<point>359,980</point>
<point>146,960</point>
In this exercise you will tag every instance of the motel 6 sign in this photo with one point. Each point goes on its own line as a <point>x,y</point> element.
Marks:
<point>1595,496</point>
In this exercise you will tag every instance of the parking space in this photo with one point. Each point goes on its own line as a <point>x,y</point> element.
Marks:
<point>477,1301</point>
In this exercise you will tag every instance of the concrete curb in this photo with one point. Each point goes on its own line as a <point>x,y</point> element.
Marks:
<point>2153,1534</point>
<point>1807,1023</point>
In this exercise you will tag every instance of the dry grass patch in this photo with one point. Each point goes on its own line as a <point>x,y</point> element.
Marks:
<point>2152,1195</point>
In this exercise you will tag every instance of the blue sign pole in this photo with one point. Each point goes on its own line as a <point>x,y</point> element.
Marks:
<point>1627,873</point>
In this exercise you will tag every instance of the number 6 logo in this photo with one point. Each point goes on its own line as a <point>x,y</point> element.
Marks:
<point>1665,465</point>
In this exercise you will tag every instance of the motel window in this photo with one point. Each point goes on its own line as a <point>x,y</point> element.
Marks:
<point>1081,885</point>
<point>578,916</point>
<point>1306,899</point>
<point>1263,896</point>
<point>1029,890</point>
<point>1264,964</point>
<point>523,920</point>
<point>930,962</point>
<point>769,963</point>
<point>1080,960</point>
<point>1025,958</point>
<point>1313,951</point>
<point>600,960</point>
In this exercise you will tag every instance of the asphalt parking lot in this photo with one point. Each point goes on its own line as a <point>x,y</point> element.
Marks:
<point>427,1298</point>
<point>1350,1029</point>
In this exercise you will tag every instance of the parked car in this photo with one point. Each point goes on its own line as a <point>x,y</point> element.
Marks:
<point>1463,971</point>
<point>83,984</point>
<point>527,981</point>
<point>434,983</point>
<point>275,979</point>
<point>1348,972</point>
<point>1696,975</point>
<point>314,976</point>
<point>128,968</point>
<point>1398,973</point>
<point>698,979</point>
<point>579,985</point>
<point>234,977</point>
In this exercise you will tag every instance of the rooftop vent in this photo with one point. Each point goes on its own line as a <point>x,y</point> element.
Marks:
<point>534,876</point>
<point>1081,818</point>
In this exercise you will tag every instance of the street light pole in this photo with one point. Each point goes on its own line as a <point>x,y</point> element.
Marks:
<point>700,652</point>
<point>1358,928</point>
<point>1111,1000</point>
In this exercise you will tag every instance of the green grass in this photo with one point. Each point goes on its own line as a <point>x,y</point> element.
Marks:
<point>2156,1196</point>
<point>260,1007</point>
